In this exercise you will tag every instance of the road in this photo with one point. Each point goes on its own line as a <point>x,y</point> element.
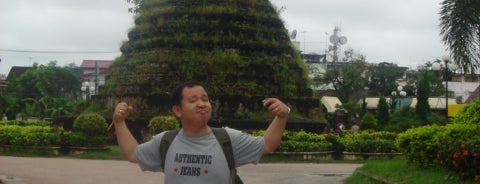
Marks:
<point>33,170</point>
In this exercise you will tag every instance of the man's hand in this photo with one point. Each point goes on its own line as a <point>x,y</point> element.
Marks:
<point>277,107</point>
<point>125,139</point>
<point>121,112</point>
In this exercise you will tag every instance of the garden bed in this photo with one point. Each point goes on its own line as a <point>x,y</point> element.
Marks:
<point>51,150</point>
<point>325,155</point>
<point>81,150</point>
<point>329,155</point>
<point>366,156</point>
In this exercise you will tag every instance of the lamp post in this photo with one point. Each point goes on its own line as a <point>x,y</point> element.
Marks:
<point>364,104</point>
<point>447,68</point>
<point>396,97</point>
<point>86,89</point>
<point>402,94</point>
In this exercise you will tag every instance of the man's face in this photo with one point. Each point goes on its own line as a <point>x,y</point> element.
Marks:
<point>196,108</point>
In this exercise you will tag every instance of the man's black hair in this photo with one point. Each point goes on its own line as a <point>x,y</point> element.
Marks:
<point>177,91</point>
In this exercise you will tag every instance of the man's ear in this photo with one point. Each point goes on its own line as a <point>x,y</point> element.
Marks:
<point>177,111</point>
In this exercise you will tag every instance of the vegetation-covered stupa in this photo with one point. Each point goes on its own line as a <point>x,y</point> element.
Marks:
<point>237,48</point>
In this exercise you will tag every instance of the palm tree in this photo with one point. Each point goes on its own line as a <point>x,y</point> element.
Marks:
<point>460,27</point>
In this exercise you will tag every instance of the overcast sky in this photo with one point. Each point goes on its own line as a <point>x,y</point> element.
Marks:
<point>405,32</point>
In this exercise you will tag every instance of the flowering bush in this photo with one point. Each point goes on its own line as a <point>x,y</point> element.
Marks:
<point>466,161</point>
<point>459,147</point>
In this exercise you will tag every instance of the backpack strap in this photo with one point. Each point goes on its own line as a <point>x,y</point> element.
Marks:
<point>224,140</point>
<point>167,139</point>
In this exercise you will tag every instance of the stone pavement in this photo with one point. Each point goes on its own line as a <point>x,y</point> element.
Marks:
<point>29,170</point>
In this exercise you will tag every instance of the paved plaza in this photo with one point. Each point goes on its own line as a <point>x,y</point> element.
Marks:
<point>29,170</point>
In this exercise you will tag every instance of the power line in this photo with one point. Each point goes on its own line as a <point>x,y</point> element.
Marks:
<point>58,52</point>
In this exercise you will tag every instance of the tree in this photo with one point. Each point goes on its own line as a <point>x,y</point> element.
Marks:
<point>36,92</point>
<point>402,119</point>
<point>422,109</point>
<point>460,28</point>
<point>383,117</point>
<point>137,4</point>
<point>347,78</point>
<point>383,77</point>
<point>368,121</point>
<point>435,80</point>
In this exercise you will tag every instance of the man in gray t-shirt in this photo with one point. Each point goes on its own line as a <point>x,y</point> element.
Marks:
<point>195,155</point>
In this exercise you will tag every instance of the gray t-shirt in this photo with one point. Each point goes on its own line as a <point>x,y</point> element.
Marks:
<point>199,159</point>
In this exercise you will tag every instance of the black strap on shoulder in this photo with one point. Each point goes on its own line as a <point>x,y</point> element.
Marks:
<point>167,139</point>
<point>226,144</point>
<point>224,140</point>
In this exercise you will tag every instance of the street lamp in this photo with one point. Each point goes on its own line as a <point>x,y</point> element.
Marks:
<point>447,68</point>
<point>364,104</point>
<point>401,93</point>
<point>86,89</point>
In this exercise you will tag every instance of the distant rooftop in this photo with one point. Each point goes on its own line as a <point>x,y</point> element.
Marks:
<point>104,64</point>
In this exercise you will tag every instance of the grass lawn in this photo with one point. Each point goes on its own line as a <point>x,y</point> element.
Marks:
<point>397,171</point>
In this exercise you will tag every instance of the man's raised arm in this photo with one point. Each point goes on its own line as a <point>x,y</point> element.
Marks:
<point>125,139</point>
<point>273,134</point>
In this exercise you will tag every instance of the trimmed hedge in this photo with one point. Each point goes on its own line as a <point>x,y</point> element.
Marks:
<point>90,124</point>
<point>163,123</point>
<point>80,139</point>
<point>420,145</point>
<point>370,142</point>
<point>302,141</point>
<point>16,135</point>
<point>25,123</point>
<point>454,146</point>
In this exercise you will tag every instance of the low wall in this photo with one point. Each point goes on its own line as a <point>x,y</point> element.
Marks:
<point>329,155</point>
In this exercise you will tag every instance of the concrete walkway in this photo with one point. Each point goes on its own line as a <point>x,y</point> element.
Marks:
<point>28,170</point>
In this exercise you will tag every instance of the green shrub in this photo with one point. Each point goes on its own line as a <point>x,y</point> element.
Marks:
<point>26,123</point>
<point>300,141</point>
<point>470,113</point>
<point>9,133</point>
<point>403,119</point>
<point>90,124</point>
<point>459,148</point>
<point>162,123</point>
<point>16,135</point>
<point>368,121</point>
<point>420,145</point>
<point>370,142</point>
<point>465,159</point>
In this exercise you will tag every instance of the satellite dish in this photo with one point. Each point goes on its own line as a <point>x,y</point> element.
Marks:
<point>334,39</point>
<point>293,36</point>
<point>343,40</point>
